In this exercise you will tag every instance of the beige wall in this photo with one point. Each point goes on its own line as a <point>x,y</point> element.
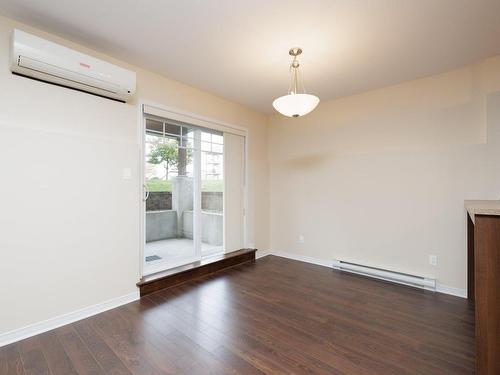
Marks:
<point>380,178</point>
<point>70,236</point>
<point>377,178</point>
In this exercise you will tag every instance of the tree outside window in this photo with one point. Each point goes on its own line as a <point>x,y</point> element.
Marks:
<point>168,154</point>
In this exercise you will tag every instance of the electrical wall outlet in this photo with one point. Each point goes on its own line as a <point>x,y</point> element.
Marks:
<point>301,239</point>
<point>433,260</point>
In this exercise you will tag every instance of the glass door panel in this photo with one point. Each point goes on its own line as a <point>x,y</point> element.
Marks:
<point>171,185</point>
<point>212,192</point>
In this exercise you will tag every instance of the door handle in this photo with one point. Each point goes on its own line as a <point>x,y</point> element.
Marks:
<point>145,192</point>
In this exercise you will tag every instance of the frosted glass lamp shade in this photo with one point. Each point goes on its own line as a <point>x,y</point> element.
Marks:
<point>295,105</point>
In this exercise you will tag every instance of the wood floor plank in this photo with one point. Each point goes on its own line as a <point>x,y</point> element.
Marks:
<point>271,316</point>
<point>296,309</point>
<point>175,343</point>
<point>127,343</point>
<point>166,321</point>
<point>164,337</point>
<point>32,356</point>
<point>235,334</point>
<point>103,354</point>
<point>10,361</point>
<point>236,362</point>
<point>246,347</point>
<point>266,340</point>
<point>57,359</point>
<point>84,362</point>
<point>396,353</point>
<point>351,328</point>
<point>166,318</point>
<point>367,311</point>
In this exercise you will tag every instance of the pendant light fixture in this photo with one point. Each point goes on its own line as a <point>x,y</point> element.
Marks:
<point>297,102</point>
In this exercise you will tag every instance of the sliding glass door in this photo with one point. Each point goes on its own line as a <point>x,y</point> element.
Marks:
<point>183,193</point>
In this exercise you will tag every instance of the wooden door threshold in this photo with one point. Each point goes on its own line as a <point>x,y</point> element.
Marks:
<point>175,276</point>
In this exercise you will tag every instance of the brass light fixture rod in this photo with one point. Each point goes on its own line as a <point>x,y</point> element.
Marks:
<point>295,51</point>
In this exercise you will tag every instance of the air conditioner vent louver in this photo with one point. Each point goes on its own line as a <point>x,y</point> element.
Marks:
<point>57,72</point>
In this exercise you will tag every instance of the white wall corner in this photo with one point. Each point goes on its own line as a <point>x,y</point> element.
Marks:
<point>440,288</point>
<point>261,254</point>
<point>61,320</point>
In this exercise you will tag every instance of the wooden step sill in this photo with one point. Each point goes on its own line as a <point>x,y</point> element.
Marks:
<point>175,276</point>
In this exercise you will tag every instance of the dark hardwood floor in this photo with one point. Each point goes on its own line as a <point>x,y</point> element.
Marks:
<point>273,316</point>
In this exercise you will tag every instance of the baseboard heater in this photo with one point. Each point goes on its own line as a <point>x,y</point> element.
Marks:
<point>387,275</point>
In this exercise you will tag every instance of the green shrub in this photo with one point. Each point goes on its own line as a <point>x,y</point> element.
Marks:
<point>155,185</point>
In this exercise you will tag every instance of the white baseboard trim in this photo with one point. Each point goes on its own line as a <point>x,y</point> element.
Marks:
<point>261,254</point>
<point>451,290</point>
<point>303,258</point>
<point>440,288</point>
<point>61,320</point>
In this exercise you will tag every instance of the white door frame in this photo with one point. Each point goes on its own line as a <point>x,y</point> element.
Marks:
<point>141,136</point>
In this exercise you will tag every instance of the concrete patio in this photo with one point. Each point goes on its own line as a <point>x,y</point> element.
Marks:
<point>175,249</point>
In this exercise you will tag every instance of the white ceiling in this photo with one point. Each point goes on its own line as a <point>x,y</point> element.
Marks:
<point>238,49</point>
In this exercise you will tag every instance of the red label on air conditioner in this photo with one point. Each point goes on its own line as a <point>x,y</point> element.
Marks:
<point>85,65</point>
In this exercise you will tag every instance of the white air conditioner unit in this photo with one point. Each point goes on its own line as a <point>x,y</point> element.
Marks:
<point>50,62</point>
